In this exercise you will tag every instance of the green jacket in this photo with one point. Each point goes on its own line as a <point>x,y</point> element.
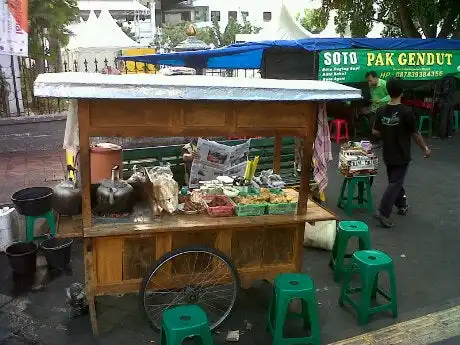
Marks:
<point>379,95</point>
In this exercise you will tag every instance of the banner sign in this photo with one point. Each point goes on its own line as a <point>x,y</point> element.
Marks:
<point>14,27</point>
<point>350,66</point>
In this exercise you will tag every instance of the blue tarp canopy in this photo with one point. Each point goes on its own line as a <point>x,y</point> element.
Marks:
<point>249,55</point>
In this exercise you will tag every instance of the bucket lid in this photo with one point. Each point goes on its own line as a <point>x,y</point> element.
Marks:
<point>104,147</point>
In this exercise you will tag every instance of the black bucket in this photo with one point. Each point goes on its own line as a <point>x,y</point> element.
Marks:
<point>57,252</point>
<point>33,201</point>
<point>22,257</point>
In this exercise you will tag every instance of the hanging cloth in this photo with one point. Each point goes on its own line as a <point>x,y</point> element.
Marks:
<point>322,150</point>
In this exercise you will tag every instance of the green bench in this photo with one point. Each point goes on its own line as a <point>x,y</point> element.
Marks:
<point>163,155</point>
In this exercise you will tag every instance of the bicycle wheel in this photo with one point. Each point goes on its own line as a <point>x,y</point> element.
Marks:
<point>194,275</point>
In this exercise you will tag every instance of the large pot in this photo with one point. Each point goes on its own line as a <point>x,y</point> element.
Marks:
<point>67,195</point>
<point>115,195</point>
<point>33,201</point>
<point>102,158</point>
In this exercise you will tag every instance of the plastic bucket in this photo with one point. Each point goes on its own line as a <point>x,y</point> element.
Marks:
<point>57,252</point>
<point>22,257</point>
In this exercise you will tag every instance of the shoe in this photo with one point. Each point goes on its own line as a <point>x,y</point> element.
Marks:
<point>402,211</point>
<point>386,222</point>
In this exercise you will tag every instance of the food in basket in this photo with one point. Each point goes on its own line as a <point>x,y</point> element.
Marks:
<point>218,201</point>
<point>282,198</point>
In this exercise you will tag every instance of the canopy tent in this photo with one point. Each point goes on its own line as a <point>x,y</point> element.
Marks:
<point>284,27</point>
<point>344,60</point>
<point>97,39</point>
<point>116,5</point>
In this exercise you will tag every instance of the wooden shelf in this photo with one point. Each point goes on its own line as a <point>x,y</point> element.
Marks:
<point>177,223</point>
<point>69,227</point>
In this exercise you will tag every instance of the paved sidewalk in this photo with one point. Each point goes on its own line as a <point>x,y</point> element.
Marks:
<point>28,169</point>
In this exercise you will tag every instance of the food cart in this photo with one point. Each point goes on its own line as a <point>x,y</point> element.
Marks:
<point>119,253</point>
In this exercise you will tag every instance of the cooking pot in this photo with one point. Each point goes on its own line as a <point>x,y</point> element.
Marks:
<point>67,195</point>
<point>115,195</point>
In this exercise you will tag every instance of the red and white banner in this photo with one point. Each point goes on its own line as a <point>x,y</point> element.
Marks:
<point>14,27</point>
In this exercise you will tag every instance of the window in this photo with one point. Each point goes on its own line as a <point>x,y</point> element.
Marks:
<point>232,15</point>
<point>267,16</point>
<point>244,15</point>
<point>215,16</point>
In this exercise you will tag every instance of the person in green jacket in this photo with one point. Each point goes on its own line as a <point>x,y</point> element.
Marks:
<point>379,95</point>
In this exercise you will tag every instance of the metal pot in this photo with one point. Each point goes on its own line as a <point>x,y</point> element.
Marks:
<point>67,195</point>
<point>115,195</point>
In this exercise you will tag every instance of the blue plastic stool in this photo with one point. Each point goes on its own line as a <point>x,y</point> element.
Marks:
<point>30,224</point>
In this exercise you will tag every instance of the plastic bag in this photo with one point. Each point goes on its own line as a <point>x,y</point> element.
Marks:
<point>320,235</point>
<point>165,189</point>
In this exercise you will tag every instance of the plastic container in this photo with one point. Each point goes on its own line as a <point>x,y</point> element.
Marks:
<point>22,257</point>
<point>103,157</point>
<point>282,209</point>
<point>57,252</point>
<point>8,227</point>
<point>219,211</point>
<point>250,210</point>
<point>33,201</point>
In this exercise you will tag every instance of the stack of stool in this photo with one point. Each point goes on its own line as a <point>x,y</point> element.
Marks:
<point>348,202</point>
<point>185,321</point>
<point>456,115</point>
<point>287,287</point>
<point>366,262</point>
<point>428,130</point>
<point>338,123</point>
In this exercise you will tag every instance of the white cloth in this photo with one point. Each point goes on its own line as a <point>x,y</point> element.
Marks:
<point>71,135</point>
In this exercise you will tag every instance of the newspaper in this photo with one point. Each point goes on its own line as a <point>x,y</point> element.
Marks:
<point>218,160</point>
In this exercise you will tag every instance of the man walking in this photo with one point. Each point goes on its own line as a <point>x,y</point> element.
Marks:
<point>395,125</point>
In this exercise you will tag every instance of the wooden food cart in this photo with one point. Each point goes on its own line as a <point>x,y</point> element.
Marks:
<point>119,254</point>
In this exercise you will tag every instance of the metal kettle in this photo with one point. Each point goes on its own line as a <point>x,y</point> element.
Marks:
<point>115,195</point>
<point>67,195</point>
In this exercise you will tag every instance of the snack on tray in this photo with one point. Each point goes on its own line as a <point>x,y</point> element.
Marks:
<point>356,158</point>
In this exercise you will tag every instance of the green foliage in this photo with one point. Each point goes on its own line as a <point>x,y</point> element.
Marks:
<point>314,21</point>
<point>402,18</point>
<point>49,19</point>
<point>127,31</point>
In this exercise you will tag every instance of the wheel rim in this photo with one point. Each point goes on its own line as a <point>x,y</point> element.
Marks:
<point>196,277</point>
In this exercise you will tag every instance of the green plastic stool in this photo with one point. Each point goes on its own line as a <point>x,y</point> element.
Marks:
<point>364,185</point>
<point>185,321</point>
<point>289,286</point>
<point>370,263</point>
<point>456,114</point>
<point>30,223</point>
<point>347,230</point>
<point>428,131</point>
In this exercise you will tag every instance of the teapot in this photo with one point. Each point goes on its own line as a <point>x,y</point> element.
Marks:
<point>115,195</point>
<point>67,195</point>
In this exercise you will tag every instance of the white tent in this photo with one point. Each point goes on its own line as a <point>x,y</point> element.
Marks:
<point>283,27</point>
<point>98,39</point>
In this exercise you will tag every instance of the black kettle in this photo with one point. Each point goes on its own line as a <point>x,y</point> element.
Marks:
<point>115,195</point>
<point>67,195</point>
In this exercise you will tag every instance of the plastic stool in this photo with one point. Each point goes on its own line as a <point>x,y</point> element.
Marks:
<point>363,182</point>
<point>183,322</point>
<point>287,287</point>
<point>456,114</point>
<point>30,224</point>
<point>429,130</point>
<point>338,123</point>
<point>347,230</point>
<point>370,263</point>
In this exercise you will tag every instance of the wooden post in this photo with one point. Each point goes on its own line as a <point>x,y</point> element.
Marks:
<point>277,154</point>
<point>83,123</point>
<point>89,284</point>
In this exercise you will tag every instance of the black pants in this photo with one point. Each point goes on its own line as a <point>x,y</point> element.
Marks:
<point>394,193</point>
<point>446,113</point>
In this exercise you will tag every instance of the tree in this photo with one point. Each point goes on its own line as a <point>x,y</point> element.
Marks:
<point>231,30</point>
<point>48,21</point>
<point>127,31</point>
<point>314,21</point>
<point>402,18</point>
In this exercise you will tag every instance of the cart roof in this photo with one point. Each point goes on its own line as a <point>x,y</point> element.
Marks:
<point>147,86</point>
<point>249,55</point>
